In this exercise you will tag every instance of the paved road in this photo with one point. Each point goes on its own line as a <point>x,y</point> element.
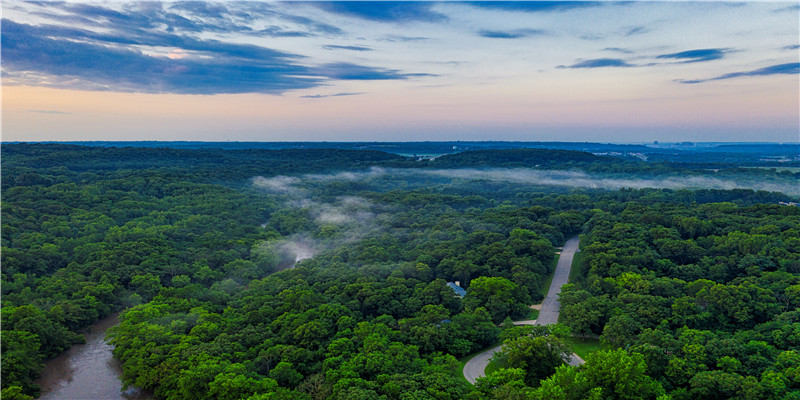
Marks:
<point>474,368</point>
<point>550,306</point>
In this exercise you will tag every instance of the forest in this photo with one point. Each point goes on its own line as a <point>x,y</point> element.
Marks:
<point>322,273</point>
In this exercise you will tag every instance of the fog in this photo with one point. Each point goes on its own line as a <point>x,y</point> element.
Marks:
<point>340,220</point>
<point>574,178</point>
<point>584,180</point>
<point>346,219</point>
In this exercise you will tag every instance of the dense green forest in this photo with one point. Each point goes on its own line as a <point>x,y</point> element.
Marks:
<point>693,292</point>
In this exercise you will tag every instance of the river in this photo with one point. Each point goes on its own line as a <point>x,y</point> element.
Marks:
<point>87,371</point>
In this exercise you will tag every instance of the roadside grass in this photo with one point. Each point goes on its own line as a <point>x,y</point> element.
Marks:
<point>577,273</point>
<point>584,346</point>
<point>491,367</point>
<point>579,347</point>
<point>463,360</point>
<point>549,279</point>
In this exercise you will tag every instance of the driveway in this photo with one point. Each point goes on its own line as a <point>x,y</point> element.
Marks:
<point>475,367</point>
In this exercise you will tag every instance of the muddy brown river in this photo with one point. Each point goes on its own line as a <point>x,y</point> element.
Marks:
<point>87,371</point>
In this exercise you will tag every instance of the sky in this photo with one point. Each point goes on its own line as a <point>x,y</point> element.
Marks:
<point>401,71</point>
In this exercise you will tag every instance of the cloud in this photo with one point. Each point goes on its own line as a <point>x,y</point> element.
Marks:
<point>513,34</point>
<point>599,63</point>
<point>277,31</point>
<point>338,47</point>
<point>698,55</point>
<point>314,26</point>
<point>400,38</point>
<point>791,47</point>
<point>636,30</point>
<point>780,69</point>
<point>534,6</point>
<point>188,16</point>
<point>49,112</point>
<point>618,50</point>
<point>384,11</point>
<point>87,60</point>
<point>791,8</point>
<point>348,71</point>
<point>322,96</point>
<point>136,49</point>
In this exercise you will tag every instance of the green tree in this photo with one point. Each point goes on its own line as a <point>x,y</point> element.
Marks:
<point>538,356</point>
<point>606,374</point>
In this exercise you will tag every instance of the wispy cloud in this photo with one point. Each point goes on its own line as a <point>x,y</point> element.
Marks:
<point>401,38</point>
<point>534,6</point>
<point>512,34</point>
<point>339,47</point>
<point>598,63</point>
<point>780,69</point>
<point>619,50</point>
<point>348,71</point>
<point>322,96</point>
<point>636,30</point>
<point>791,47</point>
<point>384,11</point>
<point>699,55</point>
<point>49,112</point>
<point>791,8</point>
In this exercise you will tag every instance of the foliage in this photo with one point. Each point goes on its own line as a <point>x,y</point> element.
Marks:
<point>701,287</point>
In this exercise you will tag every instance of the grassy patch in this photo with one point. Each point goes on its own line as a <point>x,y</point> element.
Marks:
<point>533,314</point>
<point>584,346</point>
<point>549,279</point>
<point>491,367</point>
<point>577,273</point>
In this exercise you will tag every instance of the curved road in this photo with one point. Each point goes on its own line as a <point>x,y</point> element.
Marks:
<point>474,368</point>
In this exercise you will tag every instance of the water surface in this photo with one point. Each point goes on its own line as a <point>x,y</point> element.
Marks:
<point>87,371</point>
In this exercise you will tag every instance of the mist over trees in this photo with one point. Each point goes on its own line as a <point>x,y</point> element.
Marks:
<point>693,292</point>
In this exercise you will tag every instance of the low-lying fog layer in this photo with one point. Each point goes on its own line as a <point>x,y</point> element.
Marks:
<point>290,185</point>
<point>352,217</point>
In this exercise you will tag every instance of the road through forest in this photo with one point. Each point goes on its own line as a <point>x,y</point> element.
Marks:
<point>475,367</point>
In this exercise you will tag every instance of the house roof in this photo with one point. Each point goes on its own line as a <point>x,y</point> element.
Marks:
<point>458,290</point>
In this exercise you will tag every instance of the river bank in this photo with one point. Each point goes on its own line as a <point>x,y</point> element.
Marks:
<point>87,371</point>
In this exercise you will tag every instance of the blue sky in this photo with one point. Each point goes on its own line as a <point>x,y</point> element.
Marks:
<point>388,71</point>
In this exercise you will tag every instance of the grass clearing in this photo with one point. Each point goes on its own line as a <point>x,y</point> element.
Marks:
<point>584,346</point>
